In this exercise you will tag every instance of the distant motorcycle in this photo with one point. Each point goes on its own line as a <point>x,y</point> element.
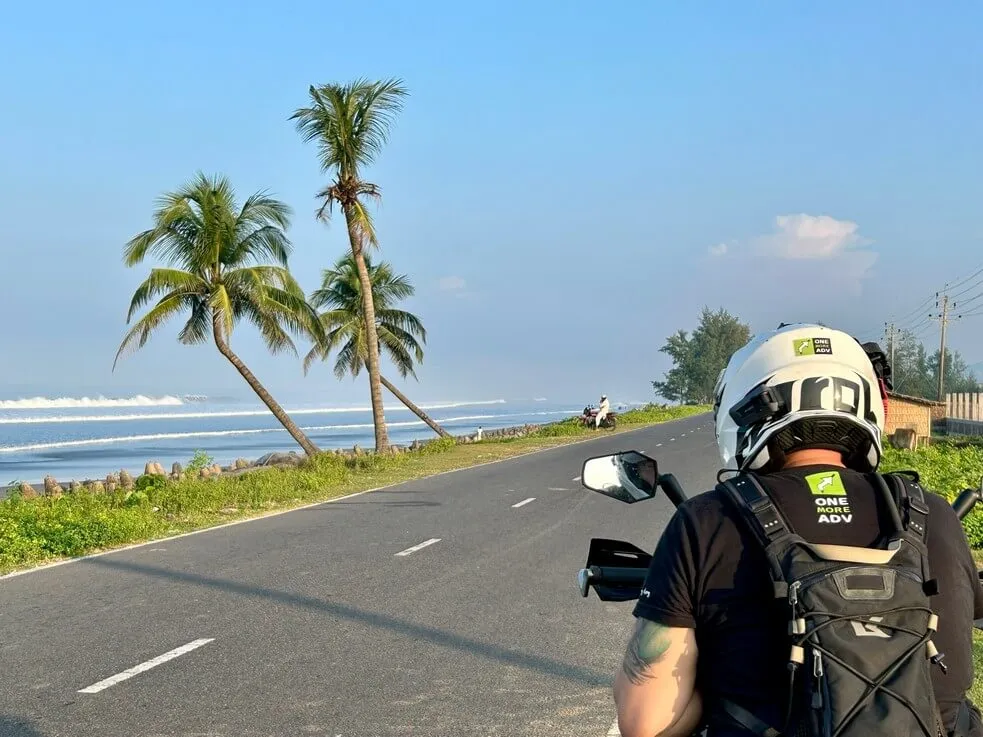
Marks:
<point>609,422</point>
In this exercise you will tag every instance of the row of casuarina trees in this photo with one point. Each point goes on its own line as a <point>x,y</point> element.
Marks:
<point>226,263</point>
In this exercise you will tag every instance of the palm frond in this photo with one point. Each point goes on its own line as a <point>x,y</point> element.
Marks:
<point>266,321</point>
<point>350,122</point>
<point>401,334</point>
<point>398,347</point>
<point>199,326</point>
<point>404,321</point>
<point>167,307</point>
<point>350,359</point>
<point>163,281</point>
<point>376,109</point>
<point>360,220</point>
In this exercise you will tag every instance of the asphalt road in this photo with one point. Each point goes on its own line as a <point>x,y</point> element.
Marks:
<point>311,623</point>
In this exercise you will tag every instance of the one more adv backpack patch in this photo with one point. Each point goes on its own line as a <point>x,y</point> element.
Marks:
<point>860,623</point>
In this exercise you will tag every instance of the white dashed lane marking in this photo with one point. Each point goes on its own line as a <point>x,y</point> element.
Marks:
<point>137,669</point>
<point>523,502</point>
<point>421,546</point>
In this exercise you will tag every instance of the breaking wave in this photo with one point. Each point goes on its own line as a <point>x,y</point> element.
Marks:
<point>139,400</point>
<point>225,433</point>
<point>129,417</point>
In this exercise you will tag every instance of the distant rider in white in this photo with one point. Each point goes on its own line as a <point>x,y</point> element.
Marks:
<point>602,411</point>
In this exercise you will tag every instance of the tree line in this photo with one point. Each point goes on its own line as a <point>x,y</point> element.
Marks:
<point>699,357</point>
<point>226,262</point>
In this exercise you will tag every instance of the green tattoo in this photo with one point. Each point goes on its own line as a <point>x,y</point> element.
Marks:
<point>647,646</point>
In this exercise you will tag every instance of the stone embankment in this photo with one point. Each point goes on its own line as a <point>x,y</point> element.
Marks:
<point>124,479</point>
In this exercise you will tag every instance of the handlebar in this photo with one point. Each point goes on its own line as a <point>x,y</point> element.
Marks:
<point>965,502</point>
<point>615,576</point>
<point>672,488</point>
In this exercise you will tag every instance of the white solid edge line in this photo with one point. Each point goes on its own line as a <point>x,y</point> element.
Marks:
<point>277,513</point>
<point>614,731</point>
<point>153,663</point>
<point>421,546</point>
<point>523,502</point>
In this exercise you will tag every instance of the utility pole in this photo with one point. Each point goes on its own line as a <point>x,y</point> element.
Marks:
<point>943,318</point>
<point>889,334</point>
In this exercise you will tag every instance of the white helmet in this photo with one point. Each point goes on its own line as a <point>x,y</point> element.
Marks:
<point>803,386</point>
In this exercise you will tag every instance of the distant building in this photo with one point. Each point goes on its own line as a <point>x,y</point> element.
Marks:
<point>913,413</point>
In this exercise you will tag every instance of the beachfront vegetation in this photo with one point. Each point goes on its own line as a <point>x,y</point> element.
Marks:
<point>219,273</point>
<point>699,358</point>
<point>43,528</point>
<point>350,125</point>
<point>401,333</point>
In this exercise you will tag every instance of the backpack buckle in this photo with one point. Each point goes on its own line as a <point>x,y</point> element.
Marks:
<point>760,504</point>
<point>917,502</point>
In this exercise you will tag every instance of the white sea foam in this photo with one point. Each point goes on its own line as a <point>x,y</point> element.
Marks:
<point>49,419</point>
<point>84,442</point>
<point>139,400</point>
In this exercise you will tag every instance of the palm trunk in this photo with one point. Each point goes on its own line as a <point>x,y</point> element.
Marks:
<point>371,335</point>
<point>413,408</point>
<point>291,427</point>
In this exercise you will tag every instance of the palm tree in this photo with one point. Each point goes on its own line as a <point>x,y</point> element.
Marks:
<point>350,123</point>
<point>343,325</point>
<point>216,251</point>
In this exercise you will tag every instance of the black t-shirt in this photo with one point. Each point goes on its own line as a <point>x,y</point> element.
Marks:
<point>709,573</point>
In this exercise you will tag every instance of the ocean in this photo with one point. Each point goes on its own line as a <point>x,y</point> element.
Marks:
<point>88,437</point>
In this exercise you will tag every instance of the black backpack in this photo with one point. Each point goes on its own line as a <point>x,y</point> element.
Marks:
<point>860,621</point>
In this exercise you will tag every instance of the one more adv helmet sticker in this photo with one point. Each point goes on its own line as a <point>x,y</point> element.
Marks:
<point>812,347</point>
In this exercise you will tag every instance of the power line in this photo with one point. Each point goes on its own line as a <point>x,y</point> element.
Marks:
<point>966,279</point>
<point>915,311</point>
<point>918,325</point>
<point>971,299</point>
<point>970,288</point>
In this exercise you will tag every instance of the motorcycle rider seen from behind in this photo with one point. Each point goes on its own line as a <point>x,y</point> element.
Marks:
<point>800,407</point>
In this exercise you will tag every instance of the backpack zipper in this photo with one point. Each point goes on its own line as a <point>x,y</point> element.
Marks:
<point>819,575</point>
<point>817,674</point>
<point>821,703</point>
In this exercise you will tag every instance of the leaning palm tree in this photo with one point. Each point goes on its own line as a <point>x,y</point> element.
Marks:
<point>400,333</point>
<point>350,123</point>
<point>215,251</point>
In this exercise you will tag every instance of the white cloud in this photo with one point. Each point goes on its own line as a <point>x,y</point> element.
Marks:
<point>811,237</point>
<point>801,260</point>
<point>451,284</point>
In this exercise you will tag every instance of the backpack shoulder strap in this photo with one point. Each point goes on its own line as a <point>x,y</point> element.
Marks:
<point>749,496</point>
<point>912,512</point>
<point>760,516</point>
<point>911,503</point>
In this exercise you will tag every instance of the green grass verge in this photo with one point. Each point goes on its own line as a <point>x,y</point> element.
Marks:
<point>945,468</point>
<point>42,529</point>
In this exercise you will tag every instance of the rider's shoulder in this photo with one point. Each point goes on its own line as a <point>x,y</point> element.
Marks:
<point>712,504</point>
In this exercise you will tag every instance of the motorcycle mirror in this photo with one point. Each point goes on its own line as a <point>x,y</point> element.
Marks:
<point>628,476</point>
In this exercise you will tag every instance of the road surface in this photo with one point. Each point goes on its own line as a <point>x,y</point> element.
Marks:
<point>438,607</point>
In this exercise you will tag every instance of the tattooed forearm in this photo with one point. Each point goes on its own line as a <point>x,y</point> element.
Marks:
<point>648,644</point>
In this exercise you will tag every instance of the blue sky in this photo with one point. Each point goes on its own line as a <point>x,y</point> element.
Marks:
<point>568,184</point>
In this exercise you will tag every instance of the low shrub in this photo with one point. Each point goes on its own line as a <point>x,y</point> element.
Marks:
<point>945,468</point>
